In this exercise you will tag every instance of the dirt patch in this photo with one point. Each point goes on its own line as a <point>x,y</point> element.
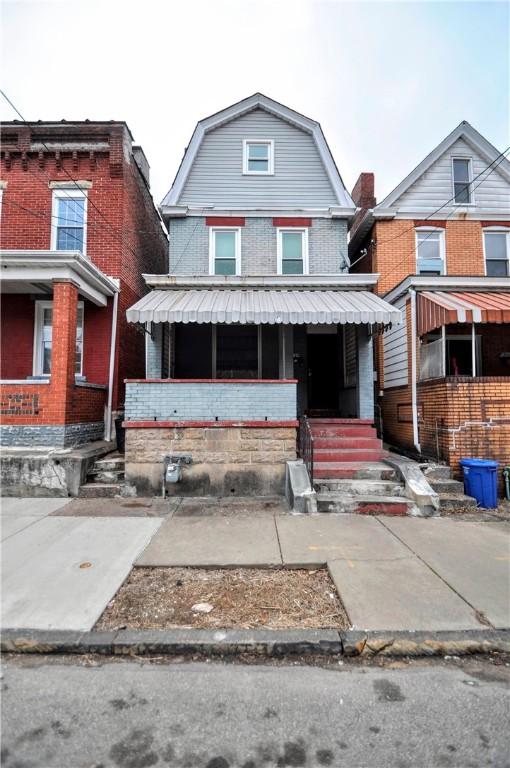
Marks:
<point>244,598</point>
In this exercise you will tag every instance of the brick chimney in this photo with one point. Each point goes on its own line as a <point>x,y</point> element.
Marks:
<point>363,191</point>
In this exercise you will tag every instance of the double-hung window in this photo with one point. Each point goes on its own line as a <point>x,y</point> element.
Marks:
<point>258,157</point>
<point>461,170</point>
<point>430,252</point>
<point>43,338</point>
<point>225,251</point>
<point>292,251</point>
<point>69,220</point>
<point>496,245</point>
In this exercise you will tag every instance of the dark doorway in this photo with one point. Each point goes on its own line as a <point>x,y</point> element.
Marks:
<point>323,355</point>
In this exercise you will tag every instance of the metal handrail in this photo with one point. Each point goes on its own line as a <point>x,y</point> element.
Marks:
<point>305,446</point>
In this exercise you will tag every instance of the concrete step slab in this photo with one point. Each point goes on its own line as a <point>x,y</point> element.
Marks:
<point>456,501</point>
<point>105,476</point>
<point>436,471</point>
<point>354,487</point>
<point>472,558</point>
<point>363,505</point>
<point>334,468</point>
<point>399,594</point>
<point>99,490</point>
<point>444,485</point>
<point>362,470</point>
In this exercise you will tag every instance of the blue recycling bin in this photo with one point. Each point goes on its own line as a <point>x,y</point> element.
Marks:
<point>481,481</point>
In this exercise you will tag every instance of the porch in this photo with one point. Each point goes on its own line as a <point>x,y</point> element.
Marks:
<point>55,386</point>
<point>231,369</point>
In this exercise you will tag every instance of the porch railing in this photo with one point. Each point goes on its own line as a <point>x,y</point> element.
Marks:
<point>305,446</point>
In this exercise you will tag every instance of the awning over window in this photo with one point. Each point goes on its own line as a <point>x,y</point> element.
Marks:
<point>263,306</point>
<point>437,308</point>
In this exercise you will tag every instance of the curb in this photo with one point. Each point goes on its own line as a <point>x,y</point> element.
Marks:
<point>263,642</point>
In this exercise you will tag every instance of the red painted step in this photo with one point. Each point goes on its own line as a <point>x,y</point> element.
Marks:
<point>382,508</point>
<point>352,422</point>
<point>334,443</point>
<point>330,470</point>
<point>332,455</point>
<point>341,431</point>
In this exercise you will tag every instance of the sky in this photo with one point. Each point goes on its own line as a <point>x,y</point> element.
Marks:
<point>386,80</point>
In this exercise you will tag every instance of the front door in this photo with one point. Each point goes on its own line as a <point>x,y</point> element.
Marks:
<point>323,357</point>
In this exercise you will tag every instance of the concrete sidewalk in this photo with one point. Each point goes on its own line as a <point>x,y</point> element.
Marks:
<point>391,573</point>
<point>60,572</point>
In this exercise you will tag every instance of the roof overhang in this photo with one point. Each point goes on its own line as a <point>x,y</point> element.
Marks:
<point>258,101</point>
<point>331,212</point>
<point>447,283</point>
<point>345,282</point>
<point>34,272</point>
<point>273,306</point>
<point>438,308</point>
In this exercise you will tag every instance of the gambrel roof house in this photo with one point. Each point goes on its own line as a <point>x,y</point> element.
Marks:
<point>258,321</point>
<point>441,244</point>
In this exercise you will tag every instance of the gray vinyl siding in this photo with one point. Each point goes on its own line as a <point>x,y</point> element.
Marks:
<point>395,351</point>
<point>189,246</point>
<point>435,186</point>
<point>216,178</point>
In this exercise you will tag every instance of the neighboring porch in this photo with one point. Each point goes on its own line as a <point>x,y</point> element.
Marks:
<point>237,367</point>
<point>55,386</point>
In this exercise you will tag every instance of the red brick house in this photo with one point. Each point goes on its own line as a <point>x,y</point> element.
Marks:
<point>441,245</point>
<point>78,229</point>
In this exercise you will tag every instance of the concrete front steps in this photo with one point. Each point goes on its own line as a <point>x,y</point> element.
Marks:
<point>451,492</point>
<point>105,479</point>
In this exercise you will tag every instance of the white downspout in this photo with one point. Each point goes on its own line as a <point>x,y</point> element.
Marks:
<point>473,350</point>
<point>414,397</point>
<point>111,371</point>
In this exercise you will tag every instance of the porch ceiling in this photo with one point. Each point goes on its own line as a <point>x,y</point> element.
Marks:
<point>437,308</point>
<point>263,307</point>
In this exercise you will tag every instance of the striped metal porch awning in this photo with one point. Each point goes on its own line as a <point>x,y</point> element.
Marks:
<point>293,307</point>
<point>437,308</point>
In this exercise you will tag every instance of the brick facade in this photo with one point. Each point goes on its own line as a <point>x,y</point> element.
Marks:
<point>125,238</point>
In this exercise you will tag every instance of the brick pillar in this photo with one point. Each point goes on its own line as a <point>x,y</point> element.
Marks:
<point>365,388</point>
<point>63,352</point>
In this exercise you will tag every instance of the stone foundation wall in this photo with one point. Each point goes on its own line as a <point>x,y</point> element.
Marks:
<point>230,460</point>
<point>59,436</point>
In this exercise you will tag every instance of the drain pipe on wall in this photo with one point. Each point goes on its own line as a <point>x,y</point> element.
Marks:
<point>111,371</point>
<point>414,397</point>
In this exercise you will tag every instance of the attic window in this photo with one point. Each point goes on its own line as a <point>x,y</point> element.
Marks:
<point>258,157</point>
<point>462,180</point>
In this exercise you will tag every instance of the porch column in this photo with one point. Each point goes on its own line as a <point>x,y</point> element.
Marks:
<point>63,348</point>
<point>365,388</point>
<point>154,351</point>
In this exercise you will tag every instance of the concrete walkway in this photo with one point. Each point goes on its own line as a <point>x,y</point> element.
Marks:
<point>60,572</point>
<point>59,569</point>
<point>391,573</point>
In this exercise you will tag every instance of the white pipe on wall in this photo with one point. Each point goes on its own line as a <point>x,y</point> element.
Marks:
<point>113,340</point>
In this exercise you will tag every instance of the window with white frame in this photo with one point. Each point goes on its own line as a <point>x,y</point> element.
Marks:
<point>225,251</point>
<point>496,244</point>
<point>258,157</point>
<point>430,251</point>
<point>292,251</point>
<point>69,220</point>
<point>461,170</point>
<point>43,338</point>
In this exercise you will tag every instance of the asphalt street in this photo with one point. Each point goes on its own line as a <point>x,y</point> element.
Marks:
<point>126,714</point>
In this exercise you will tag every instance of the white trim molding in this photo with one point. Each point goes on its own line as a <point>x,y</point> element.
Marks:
<point>269,143</point>
<point>258,101</point>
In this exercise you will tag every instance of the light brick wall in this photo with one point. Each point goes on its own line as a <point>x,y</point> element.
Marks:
<point>188,401</point>
<point>189,246</point>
